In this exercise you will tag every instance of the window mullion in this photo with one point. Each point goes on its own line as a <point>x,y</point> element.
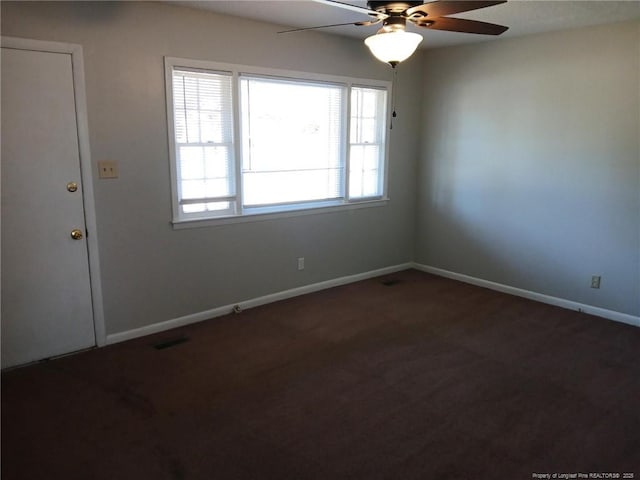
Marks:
<point>380,140</point>
<point>347,143</point>
<point>238,148</point>
<point>383,166</point>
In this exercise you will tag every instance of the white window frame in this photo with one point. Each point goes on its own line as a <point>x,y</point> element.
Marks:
<point>180,220</point>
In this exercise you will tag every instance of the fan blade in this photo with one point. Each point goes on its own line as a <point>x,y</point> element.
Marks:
<point>358,24</point>
<point>461,25</point>
<point>348,6</point>
<point>449,7</point>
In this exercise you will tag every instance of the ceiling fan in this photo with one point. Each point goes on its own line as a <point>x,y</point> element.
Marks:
<point>392,43</point>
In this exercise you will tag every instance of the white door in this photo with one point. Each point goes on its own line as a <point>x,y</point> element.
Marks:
<point>46,291</point>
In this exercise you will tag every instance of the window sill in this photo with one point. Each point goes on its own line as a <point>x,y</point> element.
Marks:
<point>266,215</point>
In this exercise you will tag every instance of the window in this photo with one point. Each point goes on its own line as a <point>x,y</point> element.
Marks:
<point>366,148</point>
<point>247,141</point>
<point>204,153</point>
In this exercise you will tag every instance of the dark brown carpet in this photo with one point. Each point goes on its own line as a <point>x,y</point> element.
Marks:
<point>427,378</point>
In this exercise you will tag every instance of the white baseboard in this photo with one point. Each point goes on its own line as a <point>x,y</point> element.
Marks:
<point>294,292</point>
<point>250,303</point>
<point>539,297</point>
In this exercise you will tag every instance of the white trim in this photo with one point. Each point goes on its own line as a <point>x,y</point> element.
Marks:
<point>88,195</point>
<point>77,62</point>
<point>39,45</point>
<point>250,303</point>
<point>539,297</point>
<point>273,72</point>
<point>258,217</point>
<point>171,138</point>
<point>345,144</point>
<point>237,182</point>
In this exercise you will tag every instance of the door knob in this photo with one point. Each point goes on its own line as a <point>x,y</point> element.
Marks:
<point>72,186</point>
<point>76,234</point>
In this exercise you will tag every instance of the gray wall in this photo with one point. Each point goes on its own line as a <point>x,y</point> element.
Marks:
<point>152,273</point>
<point>530,168</point>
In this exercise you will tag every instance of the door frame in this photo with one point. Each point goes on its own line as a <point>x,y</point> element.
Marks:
<point>86,171</point>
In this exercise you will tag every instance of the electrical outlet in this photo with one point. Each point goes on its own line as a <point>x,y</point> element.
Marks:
<point>595,281</point>
<point>301,263</point>
<point>108,169</point>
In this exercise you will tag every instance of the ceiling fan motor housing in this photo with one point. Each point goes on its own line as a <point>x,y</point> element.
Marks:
<point>394,23</point>
<point>392,7</point>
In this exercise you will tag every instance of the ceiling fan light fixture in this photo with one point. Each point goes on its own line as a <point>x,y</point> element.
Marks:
<point>393,47</point>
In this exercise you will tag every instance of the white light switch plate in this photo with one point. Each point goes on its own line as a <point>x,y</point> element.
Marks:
<point>108,169</point>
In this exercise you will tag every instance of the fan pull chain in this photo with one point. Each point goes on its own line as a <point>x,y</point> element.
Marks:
<point>394,81</point>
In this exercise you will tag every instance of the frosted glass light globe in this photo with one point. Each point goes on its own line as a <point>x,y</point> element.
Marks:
<point>393,47</point>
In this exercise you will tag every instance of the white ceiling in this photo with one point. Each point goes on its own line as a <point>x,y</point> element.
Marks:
<point>523,17</point>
